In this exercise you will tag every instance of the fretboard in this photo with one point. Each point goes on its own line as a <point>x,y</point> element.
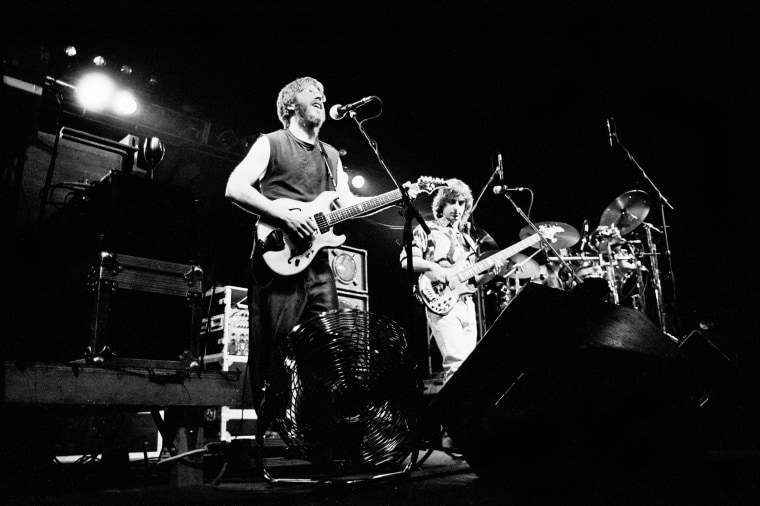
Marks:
<point>487,263</point>
<point>366,206</point>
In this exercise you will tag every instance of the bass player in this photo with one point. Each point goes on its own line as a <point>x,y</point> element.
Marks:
<point>455,332</point>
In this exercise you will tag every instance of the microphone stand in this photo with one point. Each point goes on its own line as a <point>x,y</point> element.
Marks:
<point>479,293</point>
<point>543,239</point>
<point>661,315</point>
<point>410,213</point>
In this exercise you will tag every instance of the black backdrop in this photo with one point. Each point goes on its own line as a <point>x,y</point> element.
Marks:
<point>460,82</point>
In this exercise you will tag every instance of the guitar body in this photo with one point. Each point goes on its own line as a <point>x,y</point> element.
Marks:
<point>288,255</point>
<point>440,297</point>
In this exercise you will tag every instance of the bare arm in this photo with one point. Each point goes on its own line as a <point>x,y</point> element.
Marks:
<point>240,189</point>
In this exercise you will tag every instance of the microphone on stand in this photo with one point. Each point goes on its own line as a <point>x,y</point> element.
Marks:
<point>501,190</point>
<point>584,238</point>
<point>339,111</point>
<point>611,130</point>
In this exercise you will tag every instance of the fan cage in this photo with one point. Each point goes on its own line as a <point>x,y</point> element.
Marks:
<point>352,396</point>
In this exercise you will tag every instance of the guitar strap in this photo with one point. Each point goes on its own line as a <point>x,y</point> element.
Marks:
<point>469,240</point>
<point>327,164</point>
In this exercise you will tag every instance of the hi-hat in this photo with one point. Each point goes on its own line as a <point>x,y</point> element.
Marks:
<point>569,237</point>
<point>626,212</point>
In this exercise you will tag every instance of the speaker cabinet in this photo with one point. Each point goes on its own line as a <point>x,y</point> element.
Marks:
<point>350,268</point>
<point>559,383</point>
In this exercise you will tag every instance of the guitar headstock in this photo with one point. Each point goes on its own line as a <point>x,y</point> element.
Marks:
<point>429,184</point>
<point>548,232</point>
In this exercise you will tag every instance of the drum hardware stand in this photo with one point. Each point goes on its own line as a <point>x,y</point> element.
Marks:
<point>609,270</point>
<point>640,302</point>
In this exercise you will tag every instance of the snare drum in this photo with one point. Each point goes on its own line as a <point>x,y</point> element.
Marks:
<point>590,270</point>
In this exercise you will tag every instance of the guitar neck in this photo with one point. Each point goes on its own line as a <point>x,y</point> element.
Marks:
<point>373,204</point>
<point>487,263</point>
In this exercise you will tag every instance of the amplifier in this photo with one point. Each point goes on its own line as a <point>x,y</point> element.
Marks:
<point>144,308</point>
<point>351,300</point>
<point>350,268</point>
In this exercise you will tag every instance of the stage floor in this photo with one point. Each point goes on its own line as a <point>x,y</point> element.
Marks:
<point>441,479</point>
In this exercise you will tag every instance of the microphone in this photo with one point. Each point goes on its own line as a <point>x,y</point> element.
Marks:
<point>339,111</point>
<point>500,168</point>
<point>585,234</point>
<point>611,129</point>
<point>501,190</point>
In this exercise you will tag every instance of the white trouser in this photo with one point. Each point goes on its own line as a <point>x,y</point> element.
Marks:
<point>455,334</point>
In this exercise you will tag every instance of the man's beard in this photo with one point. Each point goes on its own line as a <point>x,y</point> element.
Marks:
<point>307,118</point>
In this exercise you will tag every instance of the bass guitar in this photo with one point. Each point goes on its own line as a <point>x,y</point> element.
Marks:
<point>440,296</point>
<point>288,255</point>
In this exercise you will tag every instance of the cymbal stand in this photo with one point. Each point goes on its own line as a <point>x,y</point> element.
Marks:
<point>656,282</point>
<point>655,272</point>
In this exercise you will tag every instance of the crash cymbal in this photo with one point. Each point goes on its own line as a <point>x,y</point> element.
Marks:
<point>524,267</point>
<point>626,212</point>
<point>569,237</point>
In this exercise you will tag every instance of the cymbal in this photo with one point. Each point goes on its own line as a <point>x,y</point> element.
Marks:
<point>565,239</point>
<point>525,267</point>
<point>626,212</point>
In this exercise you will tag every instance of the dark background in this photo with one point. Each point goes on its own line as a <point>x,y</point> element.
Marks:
<point>459,82</point>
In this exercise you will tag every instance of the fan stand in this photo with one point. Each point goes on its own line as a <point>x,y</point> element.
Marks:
<point>351,408</point>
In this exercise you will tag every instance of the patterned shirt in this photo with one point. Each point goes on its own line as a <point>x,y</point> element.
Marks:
<point>444,245</point>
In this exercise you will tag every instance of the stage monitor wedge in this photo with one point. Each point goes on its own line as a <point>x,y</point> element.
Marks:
<point>559,384</point>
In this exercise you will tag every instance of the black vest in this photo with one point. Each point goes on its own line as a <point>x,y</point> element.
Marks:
<point>296,169</point>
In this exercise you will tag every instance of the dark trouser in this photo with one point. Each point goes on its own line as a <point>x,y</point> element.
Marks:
<point>276,305</point>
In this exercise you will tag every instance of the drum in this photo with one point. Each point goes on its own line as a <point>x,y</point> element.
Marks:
<point>590,270</point>
<point>593,281</point>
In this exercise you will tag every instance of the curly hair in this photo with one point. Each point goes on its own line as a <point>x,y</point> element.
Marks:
<point>456,189</point>
<point>287,97</point>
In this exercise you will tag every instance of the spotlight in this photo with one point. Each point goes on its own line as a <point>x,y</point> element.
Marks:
<point>126,70</point>
<point>357,181</point>
<point>124,103</point>
<point>70,51</point>
<point>99,61</point>
<point>95,91</point>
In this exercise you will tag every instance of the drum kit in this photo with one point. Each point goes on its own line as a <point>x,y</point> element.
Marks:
<point>607,264</point>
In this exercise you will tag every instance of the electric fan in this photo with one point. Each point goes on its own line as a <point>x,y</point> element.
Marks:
<point>352,398</point>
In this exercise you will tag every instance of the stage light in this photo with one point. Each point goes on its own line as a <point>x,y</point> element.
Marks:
<point>99,61</point>
<point>70,51</point>
<point>95,91</point>
<point>358,181</point>
<point>124,103</point>
<point>126,70</point>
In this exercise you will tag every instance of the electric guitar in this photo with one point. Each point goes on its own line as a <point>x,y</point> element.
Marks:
<point>288,255</point>
<point>441,296</point>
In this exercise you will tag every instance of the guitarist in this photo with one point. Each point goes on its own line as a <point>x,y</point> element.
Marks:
<point>456,332</point>
<point>289,163</point>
